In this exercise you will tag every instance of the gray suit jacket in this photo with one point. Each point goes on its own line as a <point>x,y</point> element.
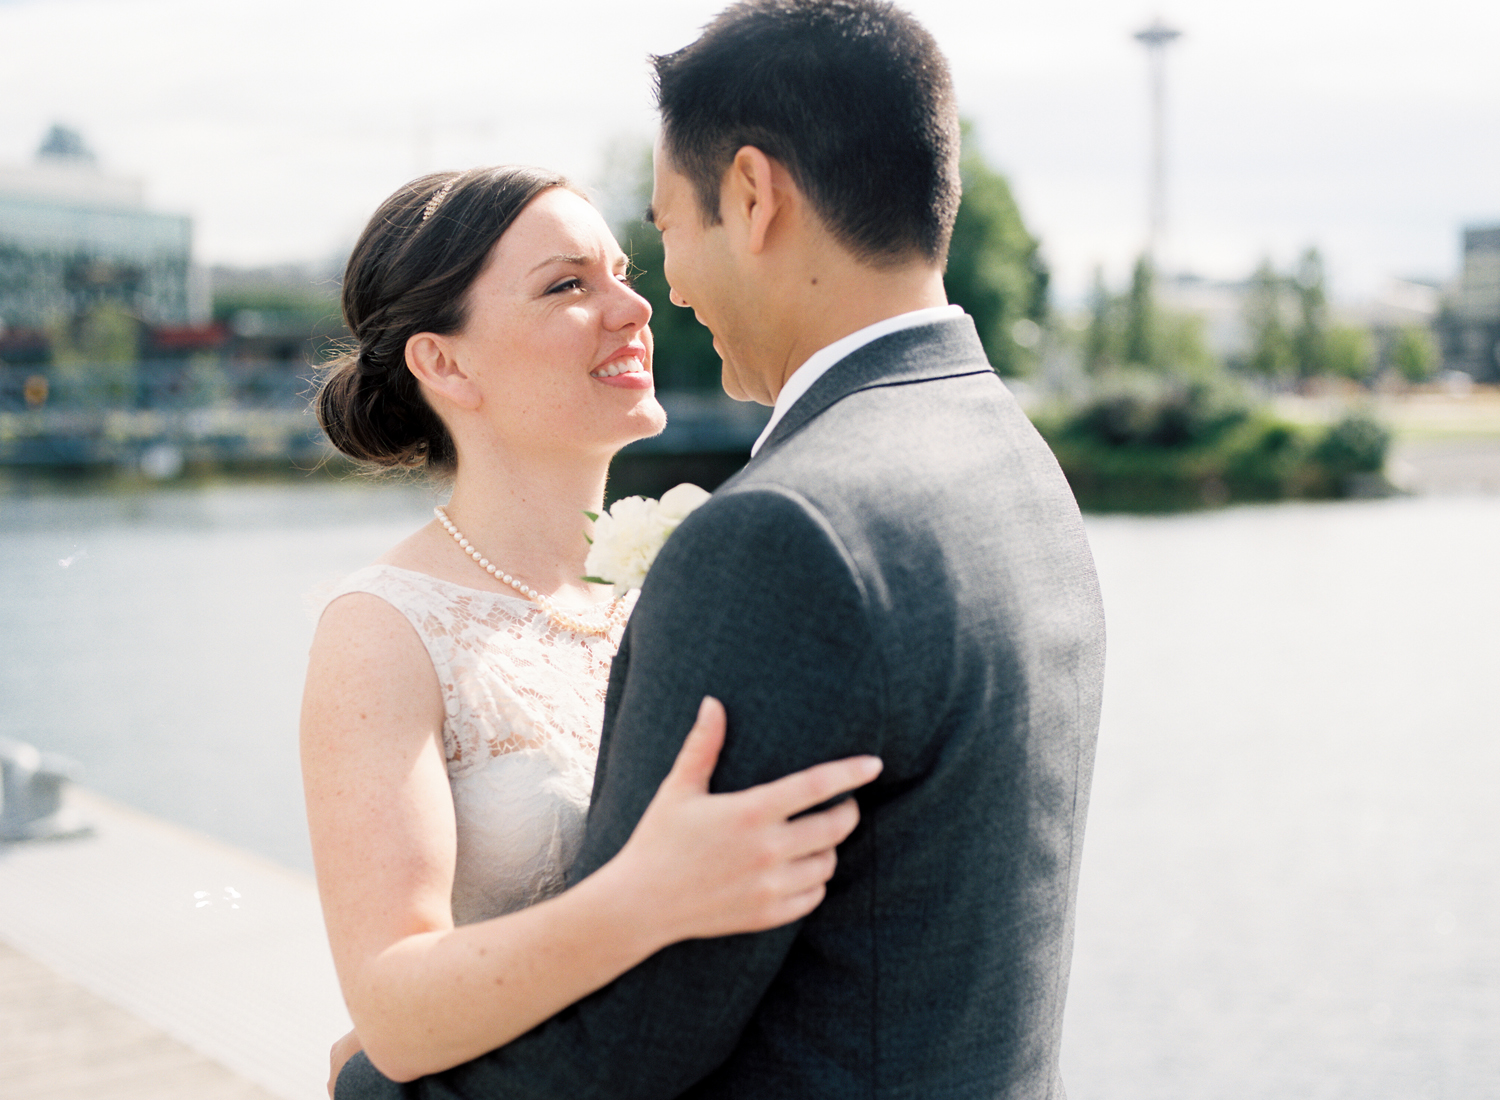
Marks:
<point>902,571</point>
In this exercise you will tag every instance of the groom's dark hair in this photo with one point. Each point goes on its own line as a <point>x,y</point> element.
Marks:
<point>852,96</point>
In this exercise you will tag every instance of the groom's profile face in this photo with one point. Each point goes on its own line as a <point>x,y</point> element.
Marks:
<point>699,269</point>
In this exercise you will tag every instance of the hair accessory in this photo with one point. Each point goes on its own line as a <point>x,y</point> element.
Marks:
<point>436,200</point>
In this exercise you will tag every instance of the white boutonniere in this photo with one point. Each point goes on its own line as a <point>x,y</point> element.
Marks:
<point>629,535</point>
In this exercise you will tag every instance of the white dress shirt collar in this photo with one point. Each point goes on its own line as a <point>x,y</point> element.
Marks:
<point>819,363</point>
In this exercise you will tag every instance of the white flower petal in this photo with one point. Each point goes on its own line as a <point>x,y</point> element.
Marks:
<point>677,502</point>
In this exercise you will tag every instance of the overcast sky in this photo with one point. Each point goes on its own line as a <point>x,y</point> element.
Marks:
<point>1371,130</point>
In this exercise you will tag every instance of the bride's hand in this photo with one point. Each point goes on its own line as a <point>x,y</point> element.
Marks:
<point>719,864</point>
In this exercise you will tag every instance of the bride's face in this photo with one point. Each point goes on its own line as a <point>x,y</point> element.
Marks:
<point>556,340</point>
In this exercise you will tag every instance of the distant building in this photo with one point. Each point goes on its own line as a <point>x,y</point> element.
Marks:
<point>1469,325</point>
<point>72,237</point>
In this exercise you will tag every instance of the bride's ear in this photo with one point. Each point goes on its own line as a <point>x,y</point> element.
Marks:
<point>435,363</point>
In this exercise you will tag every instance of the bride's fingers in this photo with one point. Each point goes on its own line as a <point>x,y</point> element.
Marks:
<point>802,886</point>
<point>795,906</point>
<point>699,754</point>
<point>798,906</point>
<point>802,875</point>
<point>803,790</point>
<point>820,831</point>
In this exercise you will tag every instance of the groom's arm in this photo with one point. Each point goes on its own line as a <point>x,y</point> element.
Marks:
<point>757,602</point>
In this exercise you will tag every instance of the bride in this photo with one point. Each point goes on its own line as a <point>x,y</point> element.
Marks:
<point>456,688</point>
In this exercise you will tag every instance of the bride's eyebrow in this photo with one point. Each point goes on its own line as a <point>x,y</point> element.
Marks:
<point>576,261</point>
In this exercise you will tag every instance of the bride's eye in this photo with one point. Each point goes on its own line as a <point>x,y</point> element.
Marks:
<point>570,283</point>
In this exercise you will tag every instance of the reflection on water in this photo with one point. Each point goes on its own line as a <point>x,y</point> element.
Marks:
<point>1293,863</point>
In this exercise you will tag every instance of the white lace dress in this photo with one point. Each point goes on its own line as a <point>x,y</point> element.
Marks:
<point>524,702</point>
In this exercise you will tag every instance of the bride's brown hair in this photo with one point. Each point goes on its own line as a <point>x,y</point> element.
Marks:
<point>410,272</point>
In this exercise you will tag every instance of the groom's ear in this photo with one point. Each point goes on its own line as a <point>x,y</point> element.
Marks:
<point>435,363</point>
<point>754,192</point>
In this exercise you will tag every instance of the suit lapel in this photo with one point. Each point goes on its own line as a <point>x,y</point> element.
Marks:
<point>943,349</point>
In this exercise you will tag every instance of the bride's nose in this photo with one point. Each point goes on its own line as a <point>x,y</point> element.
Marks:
<point>629,309</point>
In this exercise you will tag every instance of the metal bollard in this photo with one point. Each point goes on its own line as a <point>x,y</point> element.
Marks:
<point>31,789</point>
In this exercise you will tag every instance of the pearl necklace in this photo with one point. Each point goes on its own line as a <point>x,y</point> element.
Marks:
<point>551,610</point>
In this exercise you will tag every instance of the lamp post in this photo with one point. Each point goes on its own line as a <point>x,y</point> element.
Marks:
<point>1156,38</point>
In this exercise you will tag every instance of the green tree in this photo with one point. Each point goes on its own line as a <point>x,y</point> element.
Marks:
<point>1182,346</point>
<point>1310,341</point>
<point>1271,353</point>
<point>1141,344</point>
<point>311,304</point>
<point>1098,346</point>
<point>1414,353</point>
<point>1132,330</point>
<point>995,269</point>
<point>1350,351</point>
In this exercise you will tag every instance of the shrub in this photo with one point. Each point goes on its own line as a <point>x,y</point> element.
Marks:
<point>1138,408</point>
<point>1355,445</point>
<point>1132,448</point>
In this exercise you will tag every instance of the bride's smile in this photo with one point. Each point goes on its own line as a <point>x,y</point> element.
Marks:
<point>626,368</point>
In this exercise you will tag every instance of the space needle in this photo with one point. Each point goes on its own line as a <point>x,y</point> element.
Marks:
<point>1156,38</point>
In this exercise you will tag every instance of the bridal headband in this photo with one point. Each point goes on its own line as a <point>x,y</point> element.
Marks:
<point>436,200</point>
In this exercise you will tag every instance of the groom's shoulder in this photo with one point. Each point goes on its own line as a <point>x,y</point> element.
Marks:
<point>895,437</point>
<point>754,548</point>
<point>758,512</point>
<point>906,467</point>
<point>930,386</point>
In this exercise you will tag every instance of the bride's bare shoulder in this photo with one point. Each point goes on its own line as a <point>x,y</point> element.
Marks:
<point>365,648</point>
<point>419,551</point>
<point>429,550</point>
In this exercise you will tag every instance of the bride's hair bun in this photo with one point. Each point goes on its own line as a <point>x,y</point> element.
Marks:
<point>410,272</point>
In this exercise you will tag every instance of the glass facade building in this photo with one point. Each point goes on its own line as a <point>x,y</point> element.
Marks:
<point>71,238</point>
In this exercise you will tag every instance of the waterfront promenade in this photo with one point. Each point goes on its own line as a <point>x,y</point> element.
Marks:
<point>149,962</point>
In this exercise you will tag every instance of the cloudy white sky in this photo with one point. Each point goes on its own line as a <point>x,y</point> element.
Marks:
<point>1371,130</point>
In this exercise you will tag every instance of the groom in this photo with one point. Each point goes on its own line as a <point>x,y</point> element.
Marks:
<point>899,570</point>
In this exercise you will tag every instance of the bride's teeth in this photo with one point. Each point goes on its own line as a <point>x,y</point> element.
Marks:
<point>628,366</point>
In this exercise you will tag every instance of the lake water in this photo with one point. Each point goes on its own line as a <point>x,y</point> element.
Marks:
<point>1291,884</point>
<point>160,638</point>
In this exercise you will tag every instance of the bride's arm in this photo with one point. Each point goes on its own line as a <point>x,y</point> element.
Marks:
<point>426,996</point>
